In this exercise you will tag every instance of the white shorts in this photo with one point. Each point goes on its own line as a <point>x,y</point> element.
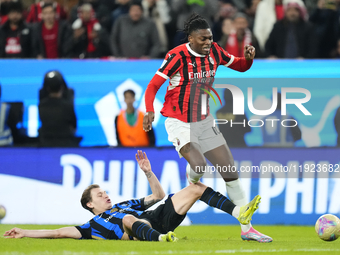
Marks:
<point>202,132</point>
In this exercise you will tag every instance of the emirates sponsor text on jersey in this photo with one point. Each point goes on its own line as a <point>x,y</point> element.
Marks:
<point>202,74</point>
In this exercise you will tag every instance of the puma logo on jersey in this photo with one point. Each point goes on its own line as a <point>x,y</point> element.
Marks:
<point>170,57</point>
<point>193,64</point>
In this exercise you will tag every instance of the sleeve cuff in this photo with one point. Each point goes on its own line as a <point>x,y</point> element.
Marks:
<point>162,75</point>
<point>230,61</point>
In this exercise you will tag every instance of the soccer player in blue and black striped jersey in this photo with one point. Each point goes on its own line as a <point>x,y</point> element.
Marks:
<point>129,220</point>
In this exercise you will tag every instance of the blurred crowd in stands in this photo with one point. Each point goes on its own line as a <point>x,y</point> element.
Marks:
<point>149,28</point>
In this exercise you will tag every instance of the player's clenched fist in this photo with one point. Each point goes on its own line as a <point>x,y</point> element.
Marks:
<point>249,52</point>
<point>147,121</point>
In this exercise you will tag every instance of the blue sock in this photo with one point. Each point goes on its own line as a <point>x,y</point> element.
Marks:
<point>144,232</point>
<point>217,200</point>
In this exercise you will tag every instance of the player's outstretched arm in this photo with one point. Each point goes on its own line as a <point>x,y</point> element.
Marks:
<point>67,232</point>
<point>240,64</point>
<point>156,188</point>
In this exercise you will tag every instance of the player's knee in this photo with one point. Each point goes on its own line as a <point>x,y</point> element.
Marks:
<point>128,221</point>
<point>196,189</point>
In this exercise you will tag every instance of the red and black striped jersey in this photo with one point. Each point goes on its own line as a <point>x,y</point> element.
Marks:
<point>191,75</point>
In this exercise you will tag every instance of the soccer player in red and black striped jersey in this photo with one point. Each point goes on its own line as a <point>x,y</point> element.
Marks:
<point>191,68</point>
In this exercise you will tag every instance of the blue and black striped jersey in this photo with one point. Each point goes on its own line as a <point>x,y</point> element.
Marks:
<point>108,225</point>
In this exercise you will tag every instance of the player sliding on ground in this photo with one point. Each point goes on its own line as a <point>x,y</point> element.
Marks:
<point>129,220</point>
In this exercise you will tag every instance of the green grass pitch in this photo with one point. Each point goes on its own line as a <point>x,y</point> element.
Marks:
<point>198,239</point>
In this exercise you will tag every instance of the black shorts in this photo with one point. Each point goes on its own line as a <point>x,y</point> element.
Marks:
<point>164,218</point>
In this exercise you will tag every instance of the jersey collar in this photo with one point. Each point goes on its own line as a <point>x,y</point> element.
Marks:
<point>193,52</point>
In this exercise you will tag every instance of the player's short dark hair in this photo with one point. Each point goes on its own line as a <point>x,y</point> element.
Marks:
<point>47,5</point>
<point>87,197</point>
<point>130,91</point>
<point>194,23</point>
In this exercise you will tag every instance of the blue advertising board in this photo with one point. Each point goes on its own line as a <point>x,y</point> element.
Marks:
<point>99,87</point>
<point>292,190</point>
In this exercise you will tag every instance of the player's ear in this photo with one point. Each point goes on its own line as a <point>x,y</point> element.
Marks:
<point>190,38</point>
<point>90,205</point>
